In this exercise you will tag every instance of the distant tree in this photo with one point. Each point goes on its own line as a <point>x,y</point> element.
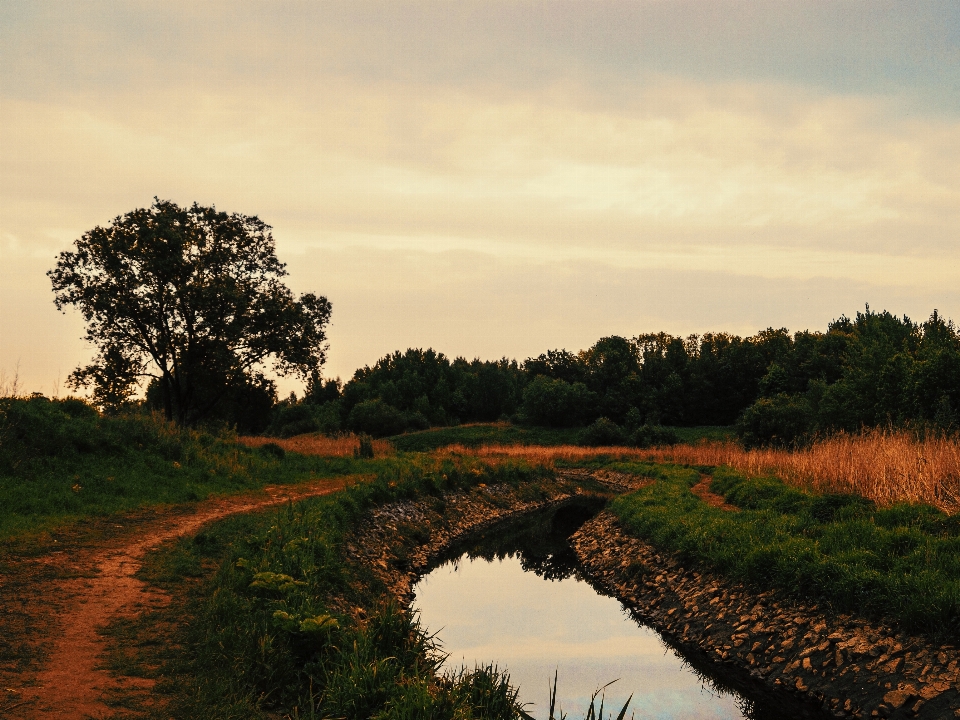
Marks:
<point>192,299</point>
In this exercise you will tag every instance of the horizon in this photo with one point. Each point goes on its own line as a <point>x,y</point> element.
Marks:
<point>498,180</point>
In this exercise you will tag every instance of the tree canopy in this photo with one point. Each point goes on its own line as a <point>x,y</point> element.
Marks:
<point>190,300</point>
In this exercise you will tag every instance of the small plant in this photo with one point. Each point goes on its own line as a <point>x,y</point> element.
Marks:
<point>592,712</point>
<point>365,448</point>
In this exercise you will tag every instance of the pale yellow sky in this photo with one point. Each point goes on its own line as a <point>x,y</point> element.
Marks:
<point>497,179</point>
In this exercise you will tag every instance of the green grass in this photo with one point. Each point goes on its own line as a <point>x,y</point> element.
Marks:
<point>268,630</point>
<point>901,563</point>
<point>483,434</point>
<point>692,435</point>
<point>60,461</point>
<point>508,434</point>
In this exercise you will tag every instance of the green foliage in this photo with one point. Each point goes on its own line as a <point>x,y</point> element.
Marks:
<point>484,434</point>
<point>602,432</point>
<point>875,370</point>
<point>900,563</point>
<point>61,460</point>
<point>365,449</point>
<point>782,421</point>
<point>653,436</point>
<point>291,419</point>
<point>265,636</point>
<point>427,384</point>
<point>557,403</point>
<point>192,298</point>
<point>377,418</point>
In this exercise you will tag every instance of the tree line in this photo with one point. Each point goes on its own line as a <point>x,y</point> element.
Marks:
<point>776,387</point>
<point>189,304</point>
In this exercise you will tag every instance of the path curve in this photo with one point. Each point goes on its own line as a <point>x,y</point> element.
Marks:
<point>72,684</point>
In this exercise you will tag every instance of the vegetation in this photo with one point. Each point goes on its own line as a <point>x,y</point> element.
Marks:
<point>289,621</point>
<point>62,459</point>
<point>475,435</point>
<point>779,389</point>
<point>901,563</point>
<point>192,300</point>
<point>884,466</point>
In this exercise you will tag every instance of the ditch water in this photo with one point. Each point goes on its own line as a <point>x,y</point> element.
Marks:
<point>515,596</point>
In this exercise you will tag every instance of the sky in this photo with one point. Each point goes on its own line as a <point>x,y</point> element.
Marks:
<point>497,178</point>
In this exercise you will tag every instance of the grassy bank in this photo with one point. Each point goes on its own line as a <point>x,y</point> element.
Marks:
<point>901,563</point>
<point>288,623</point>
<point>886,466</point>
<point>60,460</point>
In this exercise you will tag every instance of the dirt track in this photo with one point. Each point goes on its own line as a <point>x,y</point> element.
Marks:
<point>63,598</point>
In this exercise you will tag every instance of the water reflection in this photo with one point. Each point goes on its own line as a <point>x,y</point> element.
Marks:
<point>515,597</point>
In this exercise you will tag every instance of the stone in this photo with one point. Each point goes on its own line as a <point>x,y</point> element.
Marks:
<point>896,698</point>
<point>893,665</point>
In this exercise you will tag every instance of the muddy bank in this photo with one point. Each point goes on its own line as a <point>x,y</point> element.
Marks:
<point>843,665</point>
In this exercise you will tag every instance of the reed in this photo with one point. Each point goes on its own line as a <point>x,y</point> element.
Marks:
<point>886,466</point>
<point>316,444</point>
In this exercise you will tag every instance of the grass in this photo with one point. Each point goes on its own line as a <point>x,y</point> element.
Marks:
<point>317,444</point>
<point>61,461</point>
<point>887,467</point>
<point>289,622</point>
<point>478,434</point>
<point>506,434</point>
<point>901,562</point>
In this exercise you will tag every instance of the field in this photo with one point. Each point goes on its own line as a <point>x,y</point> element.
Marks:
<point>860,524</point>
<point>886,467</point>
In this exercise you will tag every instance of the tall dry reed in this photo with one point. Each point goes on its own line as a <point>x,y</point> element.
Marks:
<point>341,446</point>
<point>885,466</point>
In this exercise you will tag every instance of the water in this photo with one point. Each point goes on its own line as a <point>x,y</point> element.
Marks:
<point>515,597</point>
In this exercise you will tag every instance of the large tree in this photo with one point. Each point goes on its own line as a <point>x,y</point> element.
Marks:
<point>191,300</point>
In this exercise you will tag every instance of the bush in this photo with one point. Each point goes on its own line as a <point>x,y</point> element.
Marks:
<point>294,420</point>
<point>782,421</point>
<point>376,418</point>
<point>654,436</point>
<point>602,432</point>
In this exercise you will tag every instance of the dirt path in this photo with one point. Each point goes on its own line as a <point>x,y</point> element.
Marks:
<point>82,589</point>
<point>703,491</point>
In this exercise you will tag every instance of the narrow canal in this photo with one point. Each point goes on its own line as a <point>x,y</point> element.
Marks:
<point>515,596</point>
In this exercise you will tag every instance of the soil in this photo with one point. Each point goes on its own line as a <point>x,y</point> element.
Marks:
<point>702,490</point>
<point>55,602</point>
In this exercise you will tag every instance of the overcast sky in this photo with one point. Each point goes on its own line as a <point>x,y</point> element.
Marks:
<point>497,178</point>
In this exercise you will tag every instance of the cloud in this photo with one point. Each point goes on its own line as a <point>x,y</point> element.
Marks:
<point>542,157</point>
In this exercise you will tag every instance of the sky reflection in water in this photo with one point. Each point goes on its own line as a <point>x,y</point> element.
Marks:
<point>495,611</point>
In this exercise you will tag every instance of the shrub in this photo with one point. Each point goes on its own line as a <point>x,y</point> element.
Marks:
<point>376,418</point>
<point>654,436</point>
<point>294,420</point>
<point>602,432</point>
<point>782,421</point>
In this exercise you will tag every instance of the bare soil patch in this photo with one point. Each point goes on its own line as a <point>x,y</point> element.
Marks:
<point>702,490</point>
<point>54,605</point>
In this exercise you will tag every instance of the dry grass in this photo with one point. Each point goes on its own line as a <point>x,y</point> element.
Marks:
<point>342,446</point>
<point>887,467</point>
<point>542,454</point>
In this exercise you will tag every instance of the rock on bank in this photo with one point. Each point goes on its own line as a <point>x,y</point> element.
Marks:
<point>847,666</point>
